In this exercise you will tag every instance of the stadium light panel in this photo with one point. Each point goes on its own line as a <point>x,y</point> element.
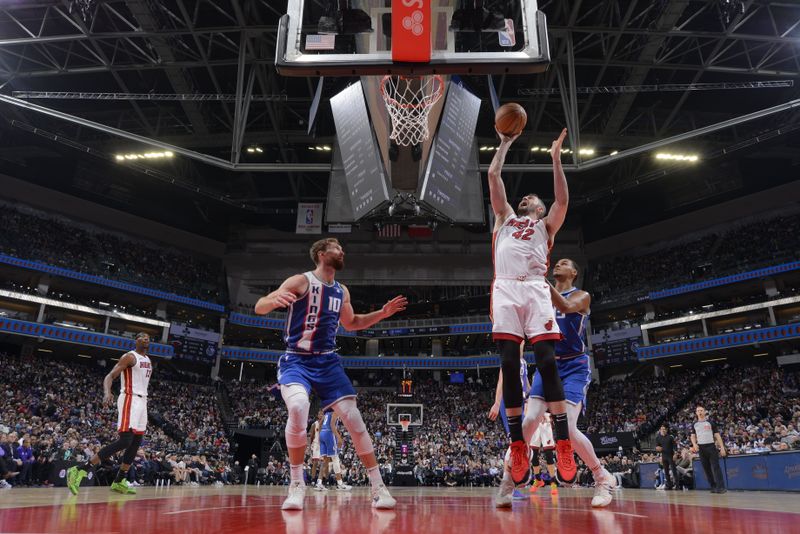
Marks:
<point>666,156</point>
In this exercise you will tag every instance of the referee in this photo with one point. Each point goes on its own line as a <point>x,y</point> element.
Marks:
<point>706,440</point>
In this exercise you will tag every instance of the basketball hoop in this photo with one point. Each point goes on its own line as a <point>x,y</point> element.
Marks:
<point>409,100</point>
<point>405,424</point>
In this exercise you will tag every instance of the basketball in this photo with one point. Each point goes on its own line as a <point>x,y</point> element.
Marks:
<point>510,119</point>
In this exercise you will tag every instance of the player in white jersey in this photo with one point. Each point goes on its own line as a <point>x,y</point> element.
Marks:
<point>316,457</point>
<point>542,442</point>
<point>522,308</point>
<point>134,369</point>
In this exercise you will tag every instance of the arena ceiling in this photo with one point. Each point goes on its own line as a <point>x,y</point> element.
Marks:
<point>625,74</point>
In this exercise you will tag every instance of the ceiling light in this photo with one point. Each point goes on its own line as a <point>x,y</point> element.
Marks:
<point>678,365</point>
<point>259,149</point>
<point>312,148</point>
<point>44,350</point>
<point>326,148</point>
<point>691,158</point>
<point>250,150</point>
<point>760,354</point>
<point>713,360</point>
<point>535,149</point>
<point>143,155</point>
<point>614,153</point>
<point>586,151</point>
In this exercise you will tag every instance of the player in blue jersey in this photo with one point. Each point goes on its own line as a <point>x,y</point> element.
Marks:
<point>317,304</point>
<point>330,442</point>
<point>572,310</point>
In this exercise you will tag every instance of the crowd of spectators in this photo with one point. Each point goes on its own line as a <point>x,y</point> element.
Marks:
<point>741,248</point>
<point>756,409</point>
<point>639,403</point>
<point>33,235</point>
<point>51,412</point>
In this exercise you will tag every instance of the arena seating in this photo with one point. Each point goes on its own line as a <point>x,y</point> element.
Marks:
<point>33,235</point>
<point>621,278</point>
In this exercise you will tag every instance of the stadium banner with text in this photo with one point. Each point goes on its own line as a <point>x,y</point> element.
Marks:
<point>615,346</point>
<point>194,344</point>
<point>613,440</point>
<point>309,218</point>
<point>778,471</point>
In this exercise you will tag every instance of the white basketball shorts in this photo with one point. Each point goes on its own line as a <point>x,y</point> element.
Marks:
<point>131,413</point>
<point>523,309</point>
<point>543,437</point>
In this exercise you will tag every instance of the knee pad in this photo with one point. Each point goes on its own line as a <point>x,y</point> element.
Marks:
<point>297,405</point>
<point>545,352</point>
<point>549,457</point>
<point>337,468</point>
<point>130,452</point>
<point>510,363</point>
<point>348,412</point>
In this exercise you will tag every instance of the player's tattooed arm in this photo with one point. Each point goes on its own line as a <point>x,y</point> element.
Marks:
<point>283,297</point>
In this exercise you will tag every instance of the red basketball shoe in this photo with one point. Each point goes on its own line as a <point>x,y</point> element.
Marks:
<point>520,462</point>
<point>566,470</point>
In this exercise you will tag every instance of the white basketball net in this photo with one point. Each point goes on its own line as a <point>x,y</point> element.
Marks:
<point>409,100</point>
<point>405,425</point>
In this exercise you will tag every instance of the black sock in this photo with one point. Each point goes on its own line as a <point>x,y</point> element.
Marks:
<point>515,427</point>
<point>120,475</point>
<point>561,426</point>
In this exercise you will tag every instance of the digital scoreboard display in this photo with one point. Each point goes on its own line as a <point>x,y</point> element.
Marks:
<point>359,152</point>
<point>194,344</point>
<point>615,346</point>
<point>451,183</point>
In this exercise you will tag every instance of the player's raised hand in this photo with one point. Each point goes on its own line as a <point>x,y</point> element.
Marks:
<point>506,138</point>
<point>284,299</point>
<point>395,305</point>
<point>555,149</point>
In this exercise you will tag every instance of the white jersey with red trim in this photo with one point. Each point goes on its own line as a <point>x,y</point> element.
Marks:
<point>521,248</point>
<point>136,377</point>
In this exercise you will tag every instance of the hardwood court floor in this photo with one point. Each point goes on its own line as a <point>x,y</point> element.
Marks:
<point>237,509</point>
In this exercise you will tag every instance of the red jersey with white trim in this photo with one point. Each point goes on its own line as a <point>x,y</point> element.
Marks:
<point>134,379</point>
<point>521,248</point>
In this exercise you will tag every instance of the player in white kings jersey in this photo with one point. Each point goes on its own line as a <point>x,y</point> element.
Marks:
<point>134,370</point>
<point>522,308</point>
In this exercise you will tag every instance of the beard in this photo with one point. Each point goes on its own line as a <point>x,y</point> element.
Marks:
<point>336,264</point>
<point>531,212</point>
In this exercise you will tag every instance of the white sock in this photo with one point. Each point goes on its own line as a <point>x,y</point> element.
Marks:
<point>297,473</point>
<point>375,479</point>
<point>319,482</point>
<point>340,482</point>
